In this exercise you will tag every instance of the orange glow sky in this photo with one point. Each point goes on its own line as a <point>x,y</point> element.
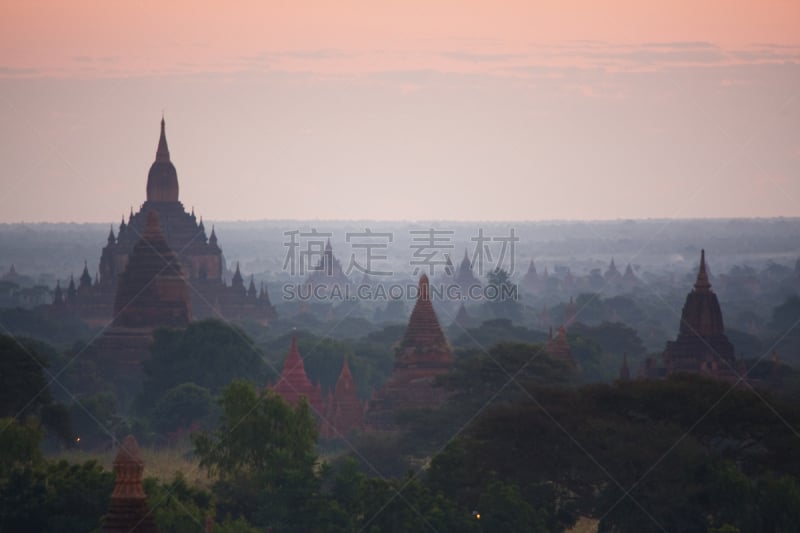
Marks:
<point>403,109</point>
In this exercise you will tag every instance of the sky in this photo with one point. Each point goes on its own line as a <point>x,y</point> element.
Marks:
<point>403,110</point>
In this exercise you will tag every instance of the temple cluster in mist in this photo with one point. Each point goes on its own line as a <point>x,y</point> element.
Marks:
<point>158,344</point>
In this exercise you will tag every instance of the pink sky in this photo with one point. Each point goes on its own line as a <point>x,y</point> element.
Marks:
<point>403,110</point>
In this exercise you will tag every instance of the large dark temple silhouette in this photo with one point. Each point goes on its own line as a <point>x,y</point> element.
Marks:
<point>200,257</point>
<point>701,346</point>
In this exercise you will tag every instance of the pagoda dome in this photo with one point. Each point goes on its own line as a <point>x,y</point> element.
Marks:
<point>162,180</point>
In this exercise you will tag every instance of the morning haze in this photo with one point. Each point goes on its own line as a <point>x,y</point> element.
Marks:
<point>430,265</point>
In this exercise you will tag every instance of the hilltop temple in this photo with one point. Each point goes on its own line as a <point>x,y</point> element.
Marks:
<point>200,256</point>
<point>422,355</point>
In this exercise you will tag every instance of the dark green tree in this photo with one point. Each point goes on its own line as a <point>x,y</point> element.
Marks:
<point>180,406</point>
<point>208,353</point>
<point>263,456</point>
<point>24,389</point>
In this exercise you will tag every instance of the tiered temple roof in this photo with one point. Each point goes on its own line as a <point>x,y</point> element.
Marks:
<point>128,511</point>
<point>701,346</point>
<point>152,291</point>
<point>294,383</point>
<point>344,411</point>
<point>422,355</point>
<point>200,257</point>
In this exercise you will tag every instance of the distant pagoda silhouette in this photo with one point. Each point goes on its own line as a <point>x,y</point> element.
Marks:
<point>702,346</point>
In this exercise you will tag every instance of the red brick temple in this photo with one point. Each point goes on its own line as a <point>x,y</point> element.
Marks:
<point>128,511</point>
<point>422,355</point>
<point>294,383</point>
<point>344,411</point>
<point>702,346</point>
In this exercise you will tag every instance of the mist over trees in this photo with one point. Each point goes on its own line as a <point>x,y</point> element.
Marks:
<point>526,439</point>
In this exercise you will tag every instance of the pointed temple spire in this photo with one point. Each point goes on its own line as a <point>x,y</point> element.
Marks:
<point>212,239</point>
<point>237,280</point>
<point>344,412</point>
<point>422,355</point>
<point>702,284</point>
<point>702,346</point>
<point>345,377</point>
<point>128,510</point>
<point>294,383</point>
<point>162,180</point>
<point>111,238</point>
<point>162,153</point>
<point>423,329</point>
<point>85,279</point>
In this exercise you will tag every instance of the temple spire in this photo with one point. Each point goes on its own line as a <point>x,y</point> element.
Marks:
<point>162,153</point>
<point>424,288</point>
<point>702,284</point>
